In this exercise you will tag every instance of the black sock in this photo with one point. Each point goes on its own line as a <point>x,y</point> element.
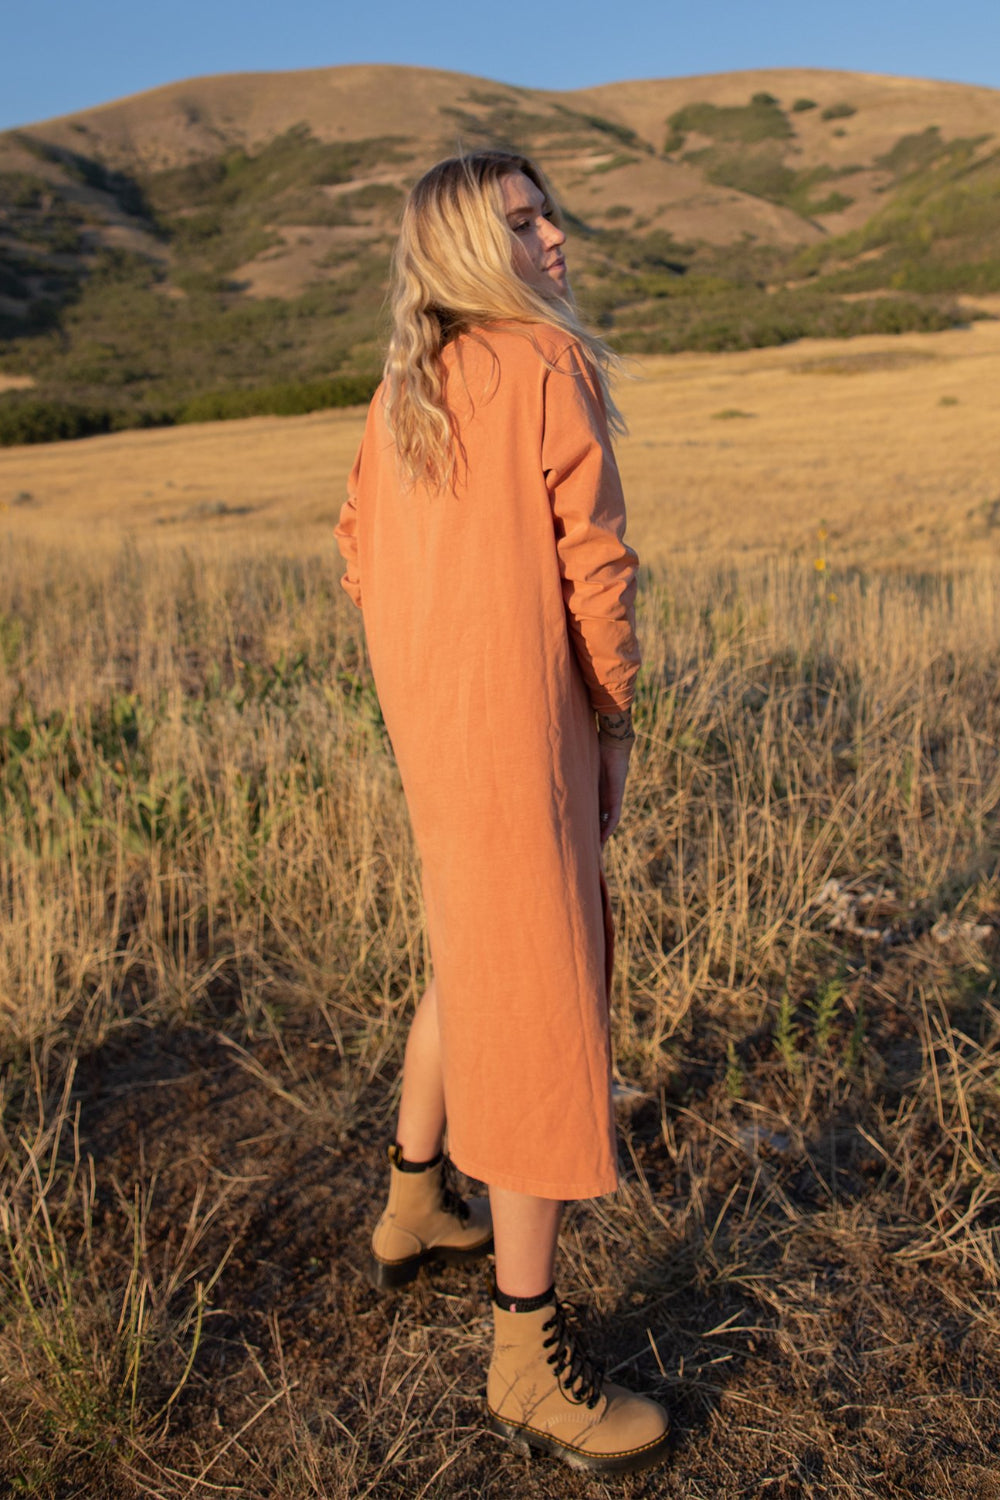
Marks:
<point>523,1304</point>
<point>403,1165</point>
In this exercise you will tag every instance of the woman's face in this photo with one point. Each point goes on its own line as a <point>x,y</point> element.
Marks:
<point>538,257</point>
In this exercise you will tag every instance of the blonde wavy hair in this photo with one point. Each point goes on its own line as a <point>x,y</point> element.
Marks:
<point>453,270</point>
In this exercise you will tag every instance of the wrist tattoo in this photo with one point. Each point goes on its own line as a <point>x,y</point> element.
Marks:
<point>615,728</point>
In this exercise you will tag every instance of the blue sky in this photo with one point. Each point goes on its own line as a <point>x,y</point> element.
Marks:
<point>58,56</point>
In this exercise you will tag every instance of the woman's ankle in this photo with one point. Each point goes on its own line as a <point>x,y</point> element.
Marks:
<point>404,1163</point>
<point>515,1304</point>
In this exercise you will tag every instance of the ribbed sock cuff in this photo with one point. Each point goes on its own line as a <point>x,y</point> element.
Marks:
<point>523,1304</point>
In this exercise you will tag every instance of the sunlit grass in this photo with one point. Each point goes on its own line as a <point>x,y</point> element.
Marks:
<point>203,829</point>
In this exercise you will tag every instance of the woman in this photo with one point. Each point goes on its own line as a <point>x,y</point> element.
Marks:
<point>483,539</point>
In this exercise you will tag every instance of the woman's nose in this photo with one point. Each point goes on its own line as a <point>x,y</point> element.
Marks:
<point>553,234</point>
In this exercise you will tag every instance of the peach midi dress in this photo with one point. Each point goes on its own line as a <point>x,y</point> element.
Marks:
<point>499,616</point>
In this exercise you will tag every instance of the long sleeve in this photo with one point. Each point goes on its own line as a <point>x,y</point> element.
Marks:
<point>346,532</point>
<point>596,564</point>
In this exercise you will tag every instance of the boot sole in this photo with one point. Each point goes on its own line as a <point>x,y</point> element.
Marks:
<point>524,1439</point>
<point>384,1275</point>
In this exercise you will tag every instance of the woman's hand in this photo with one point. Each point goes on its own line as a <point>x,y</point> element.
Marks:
<point>615,739</point>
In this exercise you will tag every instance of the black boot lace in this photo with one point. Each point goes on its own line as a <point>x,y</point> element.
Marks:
<point>580,1377</point>
<point>451,1199</point>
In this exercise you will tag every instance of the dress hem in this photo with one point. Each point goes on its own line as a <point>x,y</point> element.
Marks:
<point>600,1187</point>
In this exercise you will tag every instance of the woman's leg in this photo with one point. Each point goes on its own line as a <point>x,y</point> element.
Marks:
<point>420,1131</point>
<point>525,1228</point>
<point>525,1231</point>
<point>543,1390</point>
<point>424,1219</point>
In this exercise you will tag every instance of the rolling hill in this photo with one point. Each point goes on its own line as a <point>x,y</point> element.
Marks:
<point>219,246</point>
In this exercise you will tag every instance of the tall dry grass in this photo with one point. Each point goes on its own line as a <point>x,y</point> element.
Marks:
<point>202,829</point>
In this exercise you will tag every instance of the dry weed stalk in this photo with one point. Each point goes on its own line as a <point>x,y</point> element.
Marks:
<point>100,1346</point>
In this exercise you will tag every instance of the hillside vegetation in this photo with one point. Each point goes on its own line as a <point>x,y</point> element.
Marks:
<point>220,247</point>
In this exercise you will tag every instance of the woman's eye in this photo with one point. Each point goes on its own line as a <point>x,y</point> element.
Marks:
<point>520,228</point>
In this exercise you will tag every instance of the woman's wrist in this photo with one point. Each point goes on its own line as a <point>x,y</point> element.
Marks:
<point>615,729</point>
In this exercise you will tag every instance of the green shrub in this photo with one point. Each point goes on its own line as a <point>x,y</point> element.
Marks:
<point>21,190</point>
<point>25,419</point>
<point>658,249</point>
<point>486,97</point>
<point>939,233</point>
<point>801,105</point>
<point>620,159</point>
<point>42,421</point>
<point>621,133</point>
<point>292,161</point>
<point>976,277</point>
<point>734,319</point>
<point>507,125</point>
<point>374,195</point>
<point>125,191</point>
<point>917,152</point>
<point>833,203</point>
<point>761,174</point>
<point>838,112</point>
<point>747,123</point>
<point>284,400</point>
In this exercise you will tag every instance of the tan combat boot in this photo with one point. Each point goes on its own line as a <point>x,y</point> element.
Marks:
<point>544,1392</point>
<point>425,1220</point>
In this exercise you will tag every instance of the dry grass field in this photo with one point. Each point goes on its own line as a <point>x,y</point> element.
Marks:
<point>891,443</point>
<point>212,939</point>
